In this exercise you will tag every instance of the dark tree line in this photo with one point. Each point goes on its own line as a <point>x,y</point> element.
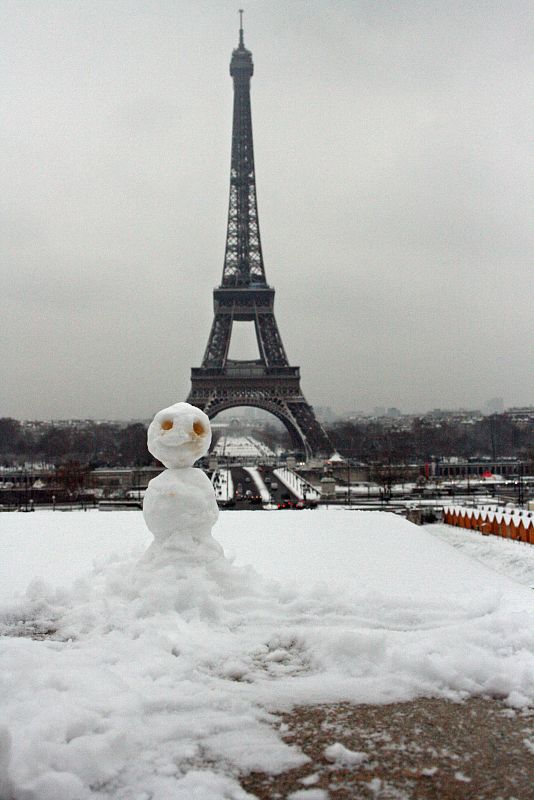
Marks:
<point>112,444</point>
<point>91,443</point>
<point>495,436</point>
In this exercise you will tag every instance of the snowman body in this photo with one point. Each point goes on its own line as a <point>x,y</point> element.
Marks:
<point>179,507</point>
<point>178,502</point>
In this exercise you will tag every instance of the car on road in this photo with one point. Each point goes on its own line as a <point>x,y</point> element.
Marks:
<point>297,505</point>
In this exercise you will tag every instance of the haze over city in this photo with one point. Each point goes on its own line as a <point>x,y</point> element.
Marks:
<point>393,163</point>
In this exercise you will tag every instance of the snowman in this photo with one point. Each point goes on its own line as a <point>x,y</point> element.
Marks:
<point>179,506</point>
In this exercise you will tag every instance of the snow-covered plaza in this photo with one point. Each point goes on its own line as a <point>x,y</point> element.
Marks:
<point>126,680</point>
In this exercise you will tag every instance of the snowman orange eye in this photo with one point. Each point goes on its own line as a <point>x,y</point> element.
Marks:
<point>166,425</point>
<point>198,427</point>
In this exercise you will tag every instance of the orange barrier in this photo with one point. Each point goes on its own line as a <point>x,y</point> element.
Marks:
<point>497,522</point>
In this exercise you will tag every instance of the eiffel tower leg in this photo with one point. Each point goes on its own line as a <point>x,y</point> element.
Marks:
<point>312,432</point>
<point>219,341</point>
<point>269,340</point>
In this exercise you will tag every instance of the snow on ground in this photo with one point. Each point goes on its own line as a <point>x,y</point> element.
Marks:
<point>298,485</point>
<point>242,447</point>
<point>515,559</point>
<point>259,484</point>
<point>160,682</point>
<point>360,489</point>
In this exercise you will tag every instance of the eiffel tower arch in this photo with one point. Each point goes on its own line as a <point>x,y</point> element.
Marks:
<point>268,382</point>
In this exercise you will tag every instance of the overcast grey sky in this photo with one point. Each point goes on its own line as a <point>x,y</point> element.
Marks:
<point>394,162</point>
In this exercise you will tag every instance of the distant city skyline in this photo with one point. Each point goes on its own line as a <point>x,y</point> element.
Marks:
<point>394,171</point>
<point>323,412</point>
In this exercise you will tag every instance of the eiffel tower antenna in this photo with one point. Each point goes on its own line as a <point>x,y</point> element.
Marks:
<point>268,382</point>
<point>241,42</point>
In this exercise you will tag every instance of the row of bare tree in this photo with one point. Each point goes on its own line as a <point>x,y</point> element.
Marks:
<point>114,444</point>
<point>495,437</point>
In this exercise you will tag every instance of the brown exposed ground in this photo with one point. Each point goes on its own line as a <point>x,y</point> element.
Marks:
<point>426,749</point>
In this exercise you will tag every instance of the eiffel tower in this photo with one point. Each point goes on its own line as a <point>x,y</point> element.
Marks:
<point>268,382</point>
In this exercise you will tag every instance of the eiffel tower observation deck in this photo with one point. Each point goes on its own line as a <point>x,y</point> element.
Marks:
<point>268,382</point>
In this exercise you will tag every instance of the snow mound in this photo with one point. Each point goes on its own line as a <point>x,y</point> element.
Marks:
<point>506,557</point>
<point>161,677</point>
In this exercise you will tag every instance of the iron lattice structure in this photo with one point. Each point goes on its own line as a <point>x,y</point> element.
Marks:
<point>268,382</point>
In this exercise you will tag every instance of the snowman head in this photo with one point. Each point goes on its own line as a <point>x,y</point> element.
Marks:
<point>179,435</point>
